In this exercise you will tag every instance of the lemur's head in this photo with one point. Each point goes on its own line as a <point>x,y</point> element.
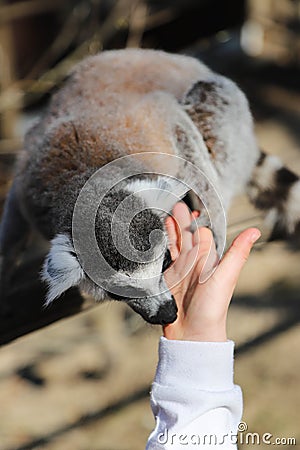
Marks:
<point>131,236</point>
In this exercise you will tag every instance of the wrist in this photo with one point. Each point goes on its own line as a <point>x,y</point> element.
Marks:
<point>205,337</point>
<point>206,333</point>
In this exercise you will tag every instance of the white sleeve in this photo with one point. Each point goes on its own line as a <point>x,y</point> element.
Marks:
<point>193,398</point>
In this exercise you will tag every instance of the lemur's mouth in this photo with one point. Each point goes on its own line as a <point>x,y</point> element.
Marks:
<point>167,313</point>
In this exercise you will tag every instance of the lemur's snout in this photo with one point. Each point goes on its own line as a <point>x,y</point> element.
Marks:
<point>167,313</point>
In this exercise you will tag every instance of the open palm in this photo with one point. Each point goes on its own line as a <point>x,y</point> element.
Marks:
<point>201,287</point>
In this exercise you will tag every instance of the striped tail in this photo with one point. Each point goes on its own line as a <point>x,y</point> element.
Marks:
<point>275,190</point>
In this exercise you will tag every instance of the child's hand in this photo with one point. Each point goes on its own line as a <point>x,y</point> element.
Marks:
<point>202,307</point>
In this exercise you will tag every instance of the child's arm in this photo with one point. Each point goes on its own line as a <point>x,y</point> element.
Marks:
<point>193,398</point>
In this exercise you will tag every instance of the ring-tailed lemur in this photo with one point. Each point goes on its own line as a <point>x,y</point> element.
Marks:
<point>121,103</point>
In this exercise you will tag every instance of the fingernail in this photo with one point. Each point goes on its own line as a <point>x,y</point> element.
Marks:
<point>254,236</point>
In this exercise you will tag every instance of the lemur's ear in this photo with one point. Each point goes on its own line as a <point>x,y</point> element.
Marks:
<point>61,269</point>
<point>163,192</point>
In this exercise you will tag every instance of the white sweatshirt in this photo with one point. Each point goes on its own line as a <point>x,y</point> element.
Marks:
<point>193,398</point>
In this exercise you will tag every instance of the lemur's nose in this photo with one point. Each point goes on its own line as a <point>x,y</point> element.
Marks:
<point>167,313</point>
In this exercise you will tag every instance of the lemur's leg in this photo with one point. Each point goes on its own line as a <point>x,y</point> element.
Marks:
<point>203,104</point>
<point>275,190</point>
<point>14,231</point>
<point>220,111</point>
<point>217,107</point>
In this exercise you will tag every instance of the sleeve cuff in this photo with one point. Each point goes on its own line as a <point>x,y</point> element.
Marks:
<point>196,365</point>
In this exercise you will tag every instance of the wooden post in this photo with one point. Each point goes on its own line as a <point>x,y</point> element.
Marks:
<point>7,78</point>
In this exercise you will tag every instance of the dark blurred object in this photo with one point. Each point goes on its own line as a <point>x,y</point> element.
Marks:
<point>169,25</point>
<point>33,26</point>
<point>22,310</point>
<point>190,20</point>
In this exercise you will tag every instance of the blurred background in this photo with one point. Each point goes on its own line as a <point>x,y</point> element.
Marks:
<point>82,383</point>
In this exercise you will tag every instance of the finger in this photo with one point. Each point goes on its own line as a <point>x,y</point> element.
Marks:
<point>182,215</point>
<point>207,254</point>
<point>195,214</point>
<point>198,255</point>
<point>210,258</point>
<point>203,237</point>
<point>231,265</point>
<point>172,232</point>
<point>194,225</point>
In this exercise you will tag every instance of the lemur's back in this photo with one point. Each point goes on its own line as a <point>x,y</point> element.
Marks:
<point>127,98</point>
<point>116,76</point>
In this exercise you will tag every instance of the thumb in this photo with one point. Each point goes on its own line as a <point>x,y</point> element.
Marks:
<point>235,258</point>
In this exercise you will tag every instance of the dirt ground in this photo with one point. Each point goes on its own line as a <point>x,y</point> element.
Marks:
<point>83,383</point>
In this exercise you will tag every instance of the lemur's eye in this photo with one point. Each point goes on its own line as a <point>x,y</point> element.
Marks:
<point>127,274</point>
<point>167,260</point>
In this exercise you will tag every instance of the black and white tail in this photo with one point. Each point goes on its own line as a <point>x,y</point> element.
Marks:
<point>275,190</point>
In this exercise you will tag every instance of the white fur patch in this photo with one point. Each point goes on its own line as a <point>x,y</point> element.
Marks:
<point>292,207</point>
<point>61,269</point>
<point>162,193</point>
<point>264,174</point>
